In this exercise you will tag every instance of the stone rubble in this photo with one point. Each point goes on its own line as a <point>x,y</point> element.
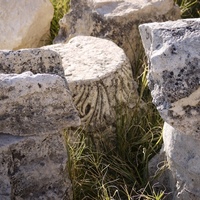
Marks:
<point>115,20</point>
<point>38,87</point>
<point>173,50</point>
<point>34,111</point>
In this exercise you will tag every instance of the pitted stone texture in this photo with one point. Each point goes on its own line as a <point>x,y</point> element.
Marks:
<point>34,60</point>
<point>115,20</point>
<point>183,155</point>
<point>33,167</point>
<point>24,23</point>
<point>34,104</point>
<point>174,71</point>
<point>100,79</point>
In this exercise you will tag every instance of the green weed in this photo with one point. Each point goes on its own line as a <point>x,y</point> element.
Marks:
<point>189,8</point>
<point>61,7</point>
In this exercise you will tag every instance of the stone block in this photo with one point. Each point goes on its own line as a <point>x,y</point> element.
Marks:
<point>114,20</point>
<point>173,50</point>
<point>35,104</point>
<point>35,107</point>
<point>34,60</point>
<point>24,23</point>
<point>33,167</point>
<point>174,71</point>
<point>183,156</point>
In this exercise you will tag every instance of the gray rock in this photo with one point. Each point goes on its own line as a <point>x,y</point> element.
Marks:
<point>33,167</point>
<point>183,155</point>
<point>34,60</point>
<point>174,71</point>
<point>35,107</point>
<point>25,23</point>
<point>114,20</point>
<point>174,80</point>
<point>100,79</point>
<point>35,104</point>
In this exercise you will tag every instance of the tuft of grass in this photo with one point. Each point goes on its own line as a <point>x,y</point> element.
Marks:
<point>61,7</point>
<point>189,8</point>
<point>119,171</point>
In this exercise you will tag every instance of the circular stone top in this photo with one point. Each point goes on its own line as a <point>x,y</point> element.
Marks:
<point>89,58</point>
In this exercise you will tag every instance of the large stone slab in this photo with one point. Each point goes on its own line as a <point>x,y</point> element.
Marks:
<point>35,104</point>
<point>24,23</point>
<point>35,107</point>
<point>115,20</point>
<point>174,71</point>
<point>183,155</point>
<point>34,60</point>
<point>100,79</point>
<point>33,168</point>
<point>174,80</point>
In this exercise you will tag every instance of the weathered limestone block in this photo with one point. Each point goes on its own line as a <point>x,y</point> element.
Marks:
<point>33,167</point>
<point>34,110</point>
<point>24,23</point>
<point>174,71</point>
<point>34,60</point>
<point>100,79</point>
<point>34,104</point>
<point>183,155</point>
<point>115,20</point>
<point>174,80</point>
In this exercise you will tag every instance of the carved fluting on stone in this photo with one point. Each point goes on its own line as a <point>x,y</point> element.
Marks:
<point>98,101</point>
<point>24,23</point>
<point>100,79</point>
<point>174,71</point>
<point>34,60</point>
<point>174,80</point>
<point>114,20</point>
<point>34,104</point>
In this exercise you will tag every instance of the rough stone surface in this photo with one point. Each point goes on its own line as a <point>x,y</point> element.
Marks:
<point>174,71</point>
<point>35,107</point>
<point>34,104</point>
<point>183,155</point>
<point>115,20</point>
<point>174,80</point>
<point>34,60</point>
<point>100,79</point>
<point>24,23</point>
<point>33,168</point>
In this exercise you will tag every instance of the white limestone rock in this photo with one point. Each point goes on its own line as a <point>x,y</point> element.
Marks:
<point>115,20</point>
<point>33,167</point>
<point>34,60</point>
<point>183,156</point>
<point>100,79</point>
<point>174,80</point>
<point>174,71</point>
<point>24,23</point>
<point>35,104</point>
